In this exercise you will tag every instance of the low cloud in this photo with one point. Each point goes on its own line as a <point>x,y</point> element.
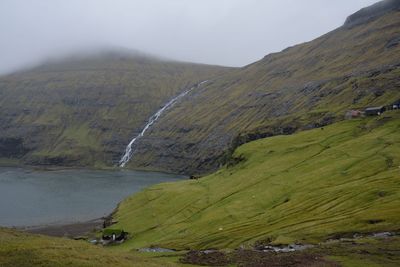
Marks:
<point>224,32</point>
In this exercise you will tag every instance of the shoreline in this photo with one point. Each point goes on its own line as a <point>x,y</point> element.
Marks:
<point>75,229</point>
<point>93,168</point>
<point>69,230</point>
<point>54,167</point>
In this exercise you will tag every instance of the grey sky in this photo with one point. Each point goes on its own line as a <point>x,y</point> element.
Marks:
<point>225,32</point>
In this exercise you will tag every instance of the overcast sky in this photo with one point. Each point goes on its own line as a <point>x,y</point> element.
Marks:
<point>224,32</point>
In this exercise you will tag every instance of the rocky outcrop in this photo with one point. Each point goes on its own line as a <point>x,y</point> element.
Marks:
<point>64,161</point>
<point>12,147</point>
<point>373,12</point>
<point>393,43</point>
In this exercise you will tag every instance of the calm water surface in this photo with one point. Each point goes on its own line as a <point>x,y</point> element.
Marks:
<point>30,197</point>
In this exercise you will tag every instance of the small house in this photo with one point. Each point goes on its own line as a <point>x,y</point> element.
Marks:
<point>396,105</point>
<point>353,114</point>
<point>374,111</point>
<point>113,236</point>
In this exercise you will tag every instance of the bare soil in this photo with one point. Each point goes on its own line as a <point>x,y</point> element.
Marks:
<point>74,230</point>
<point>251,258</point>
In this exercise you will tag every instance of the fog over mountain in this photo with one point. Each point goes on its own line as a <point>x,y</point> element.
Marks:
<point>224,32</point>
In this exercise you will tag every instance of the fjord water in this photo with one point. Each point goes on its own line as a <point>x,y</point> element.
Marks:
<point>31,197</point>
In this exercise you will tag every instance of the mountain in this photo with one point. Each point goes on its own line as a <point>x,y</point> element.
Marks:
<point>305,86</point>
<point>84,109</point>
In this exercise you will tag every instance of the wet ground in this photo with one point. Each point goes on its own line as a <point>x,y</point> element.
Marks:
<point>75,230</point>
<point>377,249</point>
<point>251,258</point>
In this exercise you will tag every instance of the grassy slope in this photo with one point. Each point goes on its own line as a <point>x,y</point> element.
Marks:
<point>303,187</point>
<point>84,111</point>
<point>26,250</point>
<point>314,82</point>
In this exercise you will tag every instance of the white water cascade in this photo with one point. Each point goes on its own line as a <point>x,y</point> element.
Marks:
<point>128,150</point>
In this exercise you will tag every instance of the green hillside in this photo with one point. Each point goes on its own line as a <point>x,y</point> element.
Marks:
<point>302,87</point>
<point>26,250</point>
<point>305,188</point>
<point>84,110</point>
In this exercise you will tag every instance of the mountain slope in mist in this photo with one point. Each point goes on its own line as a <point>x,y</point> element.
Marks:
<point>305,86</point>
<point>84,110</point>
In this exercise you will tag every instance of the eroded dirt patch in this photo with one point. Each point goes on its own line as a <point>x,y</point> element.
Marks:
<point>251,258</point>
<point>207,258</point>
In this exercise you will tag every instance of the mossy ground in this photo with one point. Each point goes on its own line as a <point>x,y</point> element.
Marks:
<point>347,253</point>
<point>364,252</point>
<point>26,250</point>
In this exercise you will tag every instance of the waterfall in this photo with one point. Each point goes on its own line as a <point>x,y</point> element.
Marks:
<point>128,150</point>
